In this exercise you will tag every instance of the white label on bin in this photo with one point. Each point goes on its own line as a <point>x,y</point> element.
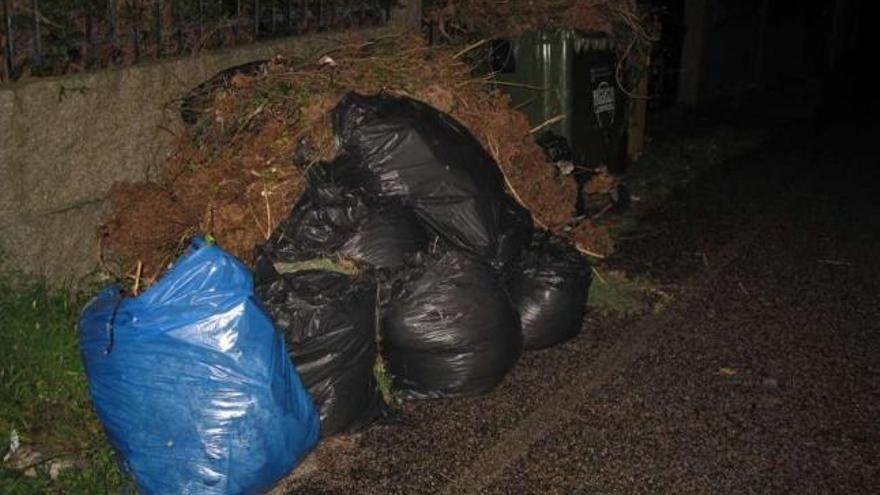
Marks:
<point>603,98</point>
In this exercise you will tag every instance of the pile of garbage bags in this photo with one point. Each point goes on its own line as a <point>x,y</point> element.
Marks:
<point>404,254</point>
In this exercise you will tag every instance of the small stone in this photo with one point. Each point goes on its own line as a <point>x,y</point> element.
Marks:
<point>23,458</point>
<point>726,372</point>
<point>14,444</point>
<point>57,466</point>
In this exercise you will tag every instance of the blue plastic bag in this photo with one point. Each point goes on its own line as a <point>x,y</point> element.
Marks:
<point>192,382</point>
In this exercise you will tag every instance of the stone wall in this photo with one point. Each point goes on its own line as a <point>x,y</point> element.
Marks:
<point>65,140</point>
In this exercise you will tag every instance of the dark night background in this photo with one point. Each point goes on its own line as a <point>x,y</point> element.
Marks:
<point>732,340</point>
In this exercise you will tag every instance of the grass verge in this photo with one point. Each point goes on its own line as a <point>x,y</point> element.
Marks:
<point>45,397</point>
<point>670,164</point>
<point>616,293</point>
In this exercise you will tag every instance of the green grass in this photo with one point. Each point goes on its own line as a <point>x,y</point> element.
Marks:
<point>383,377</point>
<point>385,383</point>
<point>326,264</point>
<point>45,395</point>
<point>669,165</point>
<point>672,163</point>
<point>617,294</point>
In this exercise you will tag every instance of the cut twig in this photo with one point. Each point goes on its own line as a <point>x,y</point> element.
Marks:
<point>491,80</point>
<point>512,84</point>
<point>835,262</point>
<point>587,252</point>
<point>248,119</point>
<point>469,48</point>
<point>169,131</point>
<point>137,277</point>
<point>548,122</point>
<point>598,275</point>
<point>603,211</point>
<point>158,270</point>
<point>524,104</point>
<point>268,214</point>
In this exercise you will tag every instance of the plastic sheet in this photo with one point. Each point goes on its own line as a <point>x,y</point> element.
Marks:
<point>192,382</point>
<point>549,285</point>
<point>406,149</point>
<point>516,231</point>
<point>329,324</point>
<point>449,329</point>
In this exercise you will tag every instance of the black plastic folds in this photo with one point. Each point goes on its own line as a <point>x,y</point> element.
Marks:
<point>549,285</point>
<point>199,100</point>
<point>409,150</point>
<point>331,218</point>
<point>328,321</point>
<point>556,148</point>
<point>449,329</point>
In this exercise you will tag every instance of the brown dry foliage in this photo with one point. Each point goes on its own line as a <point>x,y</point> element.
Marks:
<point>145,225</point>
<point>512,17</point>
<point>593,238</point>
<point>234,176</point>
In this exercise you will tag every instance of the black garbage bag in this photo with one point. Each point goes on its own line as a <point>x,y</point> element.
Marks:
<point>328,321</point>
<point>199,99</point>
<point>334,219</point>
<point>516,230</point>
<point>319,223</point>
<point>412,151</point>
<point>556,147</point>
<point>548,285</point>
<point>386,237</point>
<point>449,329</point>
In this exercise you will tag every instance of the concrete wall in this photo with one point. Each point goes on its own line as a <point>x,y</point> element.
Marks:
<point>65,140</point>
